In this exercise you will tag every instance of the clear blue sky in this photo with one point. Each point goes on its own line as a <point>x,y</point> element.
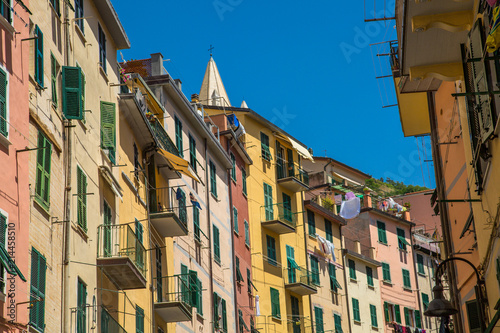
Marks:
<point>288,60</point>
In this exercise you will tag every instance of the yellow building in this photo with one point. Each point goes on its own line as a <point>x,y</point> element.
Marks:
<point>276,185</point>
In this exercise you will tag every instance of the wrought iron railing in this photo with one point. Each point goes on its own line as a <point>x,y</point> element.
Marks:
<point>162,136</point>
<point>178,288</point>
<point>300,275</point>
<point>110,324</point>
<point>279,212</point>
<point>169,200</point>
<point>118,240</point>
<point>293,172</point>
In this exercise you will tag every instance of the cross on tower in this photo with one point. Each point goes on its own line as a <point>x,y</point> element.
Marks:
<point>210,49</point>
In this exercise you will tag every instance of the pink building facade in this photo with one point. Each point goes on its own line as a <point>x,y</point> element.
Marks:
<point>14,161</point>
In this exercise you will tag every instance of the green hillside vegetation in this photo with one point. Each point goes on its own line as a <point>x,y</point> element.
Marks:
<point>390,187</point>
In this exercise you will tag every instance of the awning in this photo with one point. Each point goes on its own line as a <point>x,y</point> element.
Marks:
<point>300,149</point>
<point>9,264</point>
<point>239,277</point>
<point>293,264</point>
<point>335,282</point>
<point>348,179</point>
<point>179,164</point>
<point>403,240</point>
<point>240,319</point>
<point>111,180</point>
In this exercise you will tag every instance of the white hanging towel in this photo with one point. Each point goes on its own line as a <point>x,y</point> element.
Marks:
<point>332,250</point>
<point>323,245</point>
<point>350,208</point>
<point>257,306</point>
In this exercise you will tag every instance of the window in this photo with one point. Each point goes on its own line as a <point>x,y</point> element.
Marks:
<point>107,220</point>
<point>369,276</point>
<point>352,269</point>
<point>159,274</point>
<point>193,288</point>
<point>315,270</point>
<point>81,310</point>
<point>235,220</point>
<point>334,284</point>
<point>220,313</point>
<point>139,319</point>
<point>108,129</point>
<point>241,323</point>
<point>233,169</point>
<point>102,49</point>
<point>473,316</point>
<point>239,276</point>
<point>79,14</point>
<point>328,231</point>
<point>196,221</point>
<point>81,188</point>
<point>268,202</point>
<point>271,250</point>
<point>37,290</point>
<point>406,279</point>
<point>192,153</point>
<point>409,317</point>
<point>264,144</point>
<point>3,100</point>
<point>402,239</point>
<point>338,323</point>
<point>54,69</point>
<point>355,310</point>
<point>420,263</point>
<point>318,317</point>
<point>5,10</point>
<point>287,208</point>
<point>382,236</point>
<point>311,223</point>
<point>213,179</point>
<point>373,315</point>
<point>139,231</point>
<point>275,303</point>
<point>244,181</point>
<point>216,245</point>
<point>397,312</point>
<point>199,292</point>
<point>418,319</point>
<point>386,272</point>
<point>137,165</point>
<point>42,186</point>
<point>425,301</point>
<point>72,92</point>
<point>38,56</point>
<point>55,4</point>
<point>247,234</point>
<point>388,312</point>
<point>178,136</point>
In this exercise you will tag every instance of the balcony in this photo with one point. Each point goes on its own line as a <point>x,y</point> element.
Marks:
<point>168,211</point>
<point>121,256</point>
<point>161,135</point>
<point>173,304</point>
<point>110,324</point>
<point>278,218</point>
<point>292,179</point>
<point>300,281</point>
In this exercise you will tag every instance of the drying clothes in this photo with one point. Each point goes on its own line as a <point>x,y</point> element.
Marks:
<point>338,199</point>
<point>492,3</point>
<point>350,208</point>
<point>404,330</point>
<point>391,203</point>
<point>332,250</point>
<point>194,202</point>
<point>349,196</point>
<point>178,194</point>
<point>408,329</point>
<point>257,306</point>
<point>322,244</point>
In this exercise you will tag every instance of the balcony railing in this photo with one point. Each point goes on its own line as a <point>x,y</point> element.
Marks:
<point>161,135</point>
<point>168,211</point>
<point>109,324</point>
<point>300,280</point>
<point>175,297</point>
<point>119,241</point>
<point>278,214</point>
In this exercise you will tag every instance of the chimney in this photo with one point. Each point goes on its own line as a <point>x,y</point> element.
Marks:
<point>195,98</point>
<point>156,64</point>
<point>178,83</point>
<point>357,246</point>
<point>367,198</point>
<point>406,215</point>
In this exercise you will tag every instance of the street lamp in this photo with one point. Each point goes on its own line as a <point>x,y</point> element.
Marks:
<point>441,307</point>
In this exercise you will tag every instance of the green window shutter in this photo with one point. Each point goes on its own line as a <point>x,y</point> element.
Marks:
<point>386,312</point>
<point>233,168</point>
<point>328,231</point>
<point>81,186</point>
<point>318,316</point>
<point>199,303</point>
<point>193,288</point>
<point>406,278</point>
<point>268,202</point>
<point>139,319</point>
<point>224,315</point>
<point>382,236</point>
<point>498,270</point>
<point>275,303</point>
<point>355,310</point>
<point>420,263</point>
<point>249,281</point>
<point>338,323</point>
<point>213,179</point>
<point>83,96</point>
<point>352,269</point>
<point>216,311</point>
<point>196,222</point>
<point>402,242</point>
<point>244,181</point>
<point>159,274</point>
<point>315,270</point>
<point>178,136</point>
<point>239,276</point>
<point>373,315</point>
<point>39,56</point>
<point>398,313</point>
<point>184,281</point>
<point>407,317</point>
<point>235,220</point>
<point>216,244</point>
<point>247,233</point>
<point>287,208</point>
<point>81,321</point>
<point>108,128</point>
<point>3,103</point>
<point>53,78</point>
<point>42,186</point>
<point>265,151</point>
<point>311,222</point>
<point>386,272</point>
<point>271,250</point>
<point>473,316</point>
<point>369,276</point>
<point>192,153</point>
<point>37,290</point>
<point>139,231</point>
<point>425,301</point>
<point>418,319</point>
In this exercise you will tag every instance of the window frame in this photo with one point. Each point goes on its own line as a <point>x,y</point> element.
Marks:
<point>352,269</point>
<point>369,276</point>
<point>382,232</point>
<point>179,142</point>
<point>43,170</point>
<point>79,15</point>
<point>213,179</point>
<point>244,181</point>
<point>4,118</point>
<point>265,148</point>
<point>329,230</point>
<point>235,221</point>
<point>373,315</point>
<point>406,279</point>
<point>81,185</point>
<point>216,243</point>
<point>315,272</point>
<point>271,255</point>
<point>356,315</point>
<point>311,222</point>
<point>386,272</point>
<point>233,167</point>
<point>275,303</point>
<point>103,60</point>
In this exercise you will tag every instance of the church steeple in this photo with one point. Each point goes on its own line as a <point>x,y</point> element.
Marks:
<point>212,90</point>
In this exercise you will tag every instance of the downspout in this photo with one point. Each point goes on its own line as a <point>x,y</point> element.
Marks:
<point>445,226</point>
<point>152,286</point>
<point>67,191</point>
<point>343,251</point>
<point>207,195</point>
<point>304,216</point>
<point>232,239</point>
<point>416,277</point>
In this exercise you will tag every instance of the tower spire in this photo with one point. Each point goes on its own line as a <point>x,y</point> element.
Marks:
<point>212,90</point>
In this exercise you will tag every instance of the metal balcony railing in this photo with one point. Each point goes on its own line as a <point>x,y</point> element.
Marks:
<point>293,171</point>
<point>176,288</point>
<point>159,132</point>
<point>279,212</point>
<point>118,241</point>
<point>300,275</point>
<point>169,200</point>
<point>109,324</point>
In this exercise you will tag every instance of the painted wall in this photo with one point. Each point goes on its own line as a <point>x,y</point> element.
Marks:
<point>14,193</point>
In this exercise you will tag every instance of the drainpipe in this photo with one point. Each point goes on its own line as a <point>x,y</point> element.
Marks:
<point>67,191</point>
<point>416,277</point>
<point>306,237</point>
<point>152,286</point>
<point>443,208</point>
<point>207,196</point>
<point>344,252</point>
